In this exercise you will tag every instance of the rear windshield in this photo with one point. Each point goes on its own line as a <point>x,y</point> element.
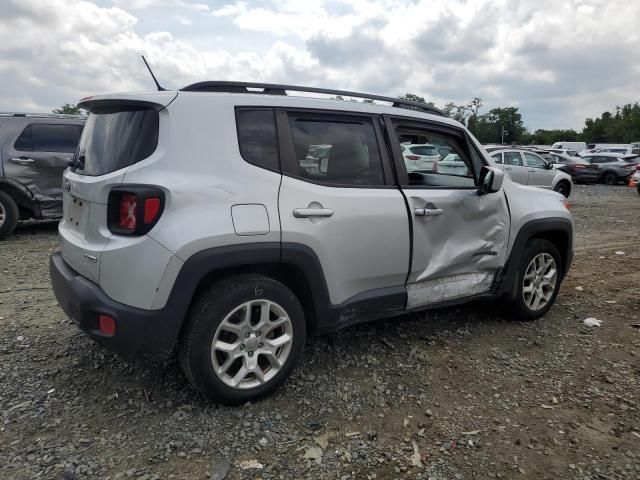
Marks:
<point>116,138</point>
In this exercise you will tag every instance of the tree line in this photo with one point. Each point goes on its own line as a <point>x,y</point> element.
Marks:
<point>505,125</point>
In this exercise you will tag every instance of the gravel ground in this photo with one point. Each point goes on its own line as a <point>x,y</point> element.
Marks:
<point>453,394</point>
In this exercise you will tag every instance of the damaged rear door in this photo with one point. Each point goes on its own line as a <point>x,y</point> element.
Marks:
<point>39,156</point>
<point>459,237</point>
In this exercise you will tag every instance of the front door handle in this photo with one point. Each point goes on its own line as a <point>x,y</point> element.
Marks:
<point>312,212</point>
<point>22,160</point>
<point>532,169</point>
<point>428,212</point>
<point>507,168</point>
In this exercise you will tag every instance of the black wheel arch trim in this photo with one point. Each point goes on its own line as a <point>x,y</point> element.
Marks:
<point>23,197</point>
<point>553,228</point>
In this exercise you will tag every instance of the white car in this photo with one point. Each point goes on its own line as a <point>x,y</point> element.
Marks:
<point>531,169</point>
<point>228,245</point>
<point>419,156</point>
<point>452,164</point>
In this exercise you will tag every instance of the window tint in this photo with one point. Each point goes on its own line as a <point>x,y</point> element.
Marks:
<point>497,157</point>
<point>257,137</point>
<point>115,138</point>
<point>49,138</point>
<point>452,166</point>
<point>534,160</point>
<point>336,152</point>
<point>513,158</point>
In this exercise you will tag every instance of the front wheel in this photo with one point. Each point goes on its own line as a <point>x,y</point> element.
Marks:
<point>243,338</point>
<point>563,187</point>
<point>538,280</point>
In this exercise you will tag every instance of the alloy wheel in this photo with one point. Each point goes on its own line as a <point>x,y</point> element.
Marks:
<point>252,344</point>
<point>540,281</point>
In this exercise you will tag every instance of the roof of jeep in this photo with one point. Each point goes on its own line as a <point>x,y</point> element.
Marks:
<point>166,97</point>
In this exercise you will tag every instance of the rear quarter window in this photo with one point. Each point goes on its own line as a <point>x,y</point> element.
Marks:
<point>257,137</point>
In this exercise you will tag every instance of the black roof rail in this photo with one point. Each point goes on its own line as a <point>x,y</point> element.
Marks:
<point>278,89</point>
<point>41,115</point>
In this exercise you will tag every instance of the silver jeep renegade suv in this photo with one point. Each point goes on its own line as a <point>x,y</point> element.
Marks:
<point>230,221</point>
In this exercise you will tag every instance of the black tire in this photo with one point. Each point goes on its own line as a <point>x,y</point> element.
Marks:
<point>518,308</point>
<point>610,178</point>
<point>563,187</point>
<point>206,315</point>
<point>9,215</point>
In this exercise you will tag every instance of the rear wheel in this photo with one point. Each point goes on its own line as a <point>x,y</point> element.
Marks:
<point>610,178</point>
<point>9,215</point>
<point>563,187</point>
<point>243,338</point>
<point>538,280</point>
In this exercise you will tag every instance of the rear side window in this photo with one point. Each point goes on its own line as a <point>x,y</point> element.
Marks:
<point>336,152</point>
<point>497,157</point>
<point>534,161</point>
<point>49,138</point>
<point>425,150</point>
<point>257,137</point>
<point>513,158</point>
<point>116,138</point>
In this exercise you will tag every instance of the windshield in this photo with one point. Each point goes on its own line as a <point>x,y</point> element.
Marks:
<point>116,138</point>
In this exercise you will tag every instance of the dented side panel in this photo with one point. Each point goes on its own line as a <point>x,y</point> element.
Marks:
<point>456,253</point>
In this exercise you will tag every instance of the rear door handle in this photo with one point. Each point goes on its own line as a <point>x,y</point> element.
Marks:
<point>507,168</point>
<point>532,169</point>
<point>22,160</point>
<point>428,212</point>
<point>312,212</point>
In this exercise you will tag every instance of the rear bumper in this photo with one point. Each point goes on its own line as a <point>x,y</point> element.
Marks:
<point>137,330</point>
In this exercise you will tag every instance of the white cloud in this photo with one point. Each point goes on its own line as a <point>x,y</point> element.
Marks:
<point>559,61</point>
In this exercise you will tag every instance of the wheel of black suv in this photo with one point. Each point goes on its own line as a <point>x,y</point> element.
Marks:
<point>564,188</point>
<point>9,215</point>
<point>538,280</point>
<point>610,178</point>
<point>243,338</point>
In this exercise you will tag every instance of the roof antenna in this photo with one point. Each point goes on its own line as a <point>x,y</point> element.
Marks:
<point>160,89</point>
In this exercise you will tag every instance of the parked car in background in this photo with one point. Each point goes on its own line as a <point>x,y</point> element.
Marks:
<point>420,157</point>
<point>528,168</point>
<point>451,164</point>
<point>580,170</point>
<point>34,151</point>
<point>613,169</point>
<point>624,150</point>
<point>575,146</point>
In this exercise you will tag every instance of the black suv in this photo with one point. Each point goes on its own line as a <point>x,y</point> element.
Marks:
<point>34,151</point>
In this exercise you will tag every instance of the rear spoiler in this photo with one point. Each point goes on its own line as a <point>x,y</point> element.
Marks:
<point>155,100</point>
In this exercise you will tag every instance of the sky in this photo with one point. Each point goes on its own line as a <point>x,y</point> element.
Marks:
<point>559,61</point>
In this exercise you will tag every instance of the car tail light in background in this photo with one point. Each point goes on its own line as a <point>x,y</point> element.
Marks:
<point>434,167</point>
<point>134,209</point>
<point>412,157</point>
<point>578,166</point>
<point>629,166</point>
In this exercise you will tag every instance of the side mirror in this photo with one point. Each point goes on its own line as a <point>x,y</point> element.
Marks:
<point>490,180</point>
<point>549,165</point>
